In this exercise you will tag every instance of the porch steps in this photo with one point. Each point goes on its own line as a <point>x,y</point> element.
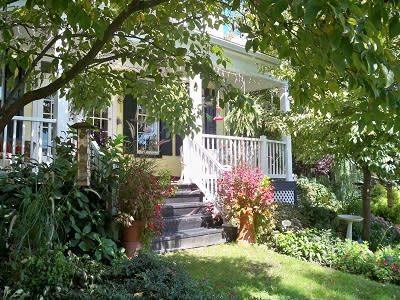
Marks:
<point>185,222</point>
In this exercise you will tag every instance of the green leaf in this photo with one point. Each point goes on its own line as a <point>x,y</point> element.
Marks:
<point>280,6</point>
<point>311,11</point>
<point>84,246</point>
<point>181,51</point>
<point>394,27</point>
<point>352,21</point>
<point>74,242</point>
<point>76,228</point>
<point>87,229</point>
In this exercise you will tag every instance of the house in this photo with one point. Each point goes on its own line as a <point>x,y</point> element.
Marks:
<point>196,160</point>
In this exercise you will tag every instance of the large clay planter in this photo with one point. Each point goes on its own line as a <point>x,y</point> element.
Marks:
<point>132,238</point>
<point>246,231</point>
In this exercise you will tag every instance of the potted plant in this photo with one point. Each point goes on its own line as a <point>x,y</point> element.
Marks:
<point>247,199</point>
<point>139,200</point>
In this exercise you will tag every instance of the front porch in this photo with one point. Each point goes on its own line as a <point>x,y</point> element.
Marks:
<point>206,157</point>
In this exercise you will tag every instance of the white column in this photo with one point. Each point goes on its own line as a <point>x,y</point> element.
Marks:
<point>112,116</point>
<point>263,155</point>
<point>285,107</point>
<point>61,113</point>
<point>195,93</point>
<point>61,107</point>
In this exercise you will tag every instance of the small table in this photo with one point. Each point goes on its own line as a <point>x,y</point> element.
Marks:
<point>350,219</point>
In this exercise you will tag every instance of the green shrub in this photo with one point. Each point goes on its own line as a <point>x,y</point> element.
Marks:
<point>382,233</point>
<point>46,273</point>
<point>299,219</point>
<point>310,245</point>
<point>325,248</point>
<point>317,203</point>
<point>379,204</point>
<point>387,267</point>
<point>315,194</point>
<point>46,207</point>
<point>353,257</point>
<point>148,276</point>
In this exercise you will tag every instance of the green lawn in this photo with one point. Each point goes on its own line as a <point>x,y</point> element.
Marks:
<point>253,272</point>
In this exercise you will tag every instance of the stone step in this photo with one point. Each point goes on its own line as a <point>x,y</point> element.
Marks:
<point>186,239</point>
<point>181,209</point>
<point>174,224</point>
<point>183,198</point>
<point>185,187</point>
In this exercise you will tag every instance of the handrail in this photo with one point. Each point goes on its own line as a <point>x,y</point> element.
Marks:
<point>206,170</point>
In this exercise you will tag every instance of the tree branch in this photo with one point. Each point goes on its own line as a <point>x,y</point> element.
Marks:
<point>32,66</point>
<point>7,112</point>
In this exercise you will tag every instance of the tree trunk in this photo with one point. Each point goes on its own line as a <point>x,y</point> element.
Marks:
<point>389,194</point>
<point>366,203</point>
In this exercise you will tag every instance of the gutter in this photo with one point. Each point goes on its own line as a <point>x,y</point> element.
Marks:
<point>240,50</point>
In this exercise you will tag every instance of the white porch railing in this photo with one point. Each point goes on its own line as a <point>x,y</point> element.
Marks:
<point>233,151</point>
<point>207,156</point>
<point>27,136</point>
<point>268,155</point>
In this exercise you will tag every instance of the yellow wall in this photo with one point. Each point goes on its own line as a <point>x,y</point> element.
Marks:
<point>169,162</point>
<point>28,125</point>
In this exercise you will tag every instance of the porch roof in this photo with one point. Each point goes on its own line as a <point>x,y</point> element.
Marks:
<point>243,71</point>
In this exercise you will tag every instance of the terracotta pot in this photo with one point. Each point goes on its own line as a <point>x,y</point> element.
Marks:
<point>246,231</point>
<point>132,238</point>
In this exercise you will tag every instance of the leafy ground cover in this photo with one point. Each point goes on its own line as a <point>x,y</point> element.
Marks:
<point>254,272</point>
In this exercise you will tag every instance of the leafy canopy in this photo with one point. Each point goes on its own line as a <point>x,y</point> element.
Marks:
<point>331,45</point>
<point>95,49</point>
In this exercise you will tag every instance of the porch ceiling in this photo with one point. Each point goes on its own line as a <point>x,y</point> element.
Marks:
<point>250,82</point>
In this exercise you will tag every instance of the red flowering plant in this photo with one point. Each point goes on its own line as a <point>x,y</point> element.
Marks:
<point>141,194</point>
<point>245,191</point>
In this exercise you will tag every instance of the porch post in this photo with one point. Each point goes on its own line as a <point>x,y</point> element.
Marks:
<point>263,155</point>
<point>195,92</point>
<point>61,107</point>
<point>285,107</point>
<point>61,113</point>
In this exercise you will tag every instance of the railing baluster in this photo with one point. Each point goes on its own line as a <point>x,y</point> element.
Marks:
<point>23,139</point>
<point>40,148</point>
<point>49,140</point>
<point>5,144</point>
<point>14,140</point>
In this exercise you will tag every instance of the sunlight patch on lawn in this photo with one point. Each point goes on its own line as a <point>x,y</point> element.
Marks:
<point>254,272</point>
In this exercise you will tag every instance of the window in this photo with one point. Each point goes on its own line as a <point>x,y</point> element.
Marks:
<point>148,135</point>
<point>100,120</point>
<point>142,137</point>
<point>48,130</point>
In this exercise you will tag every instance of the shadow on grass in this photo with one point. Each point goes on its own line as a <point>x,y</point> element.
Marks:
<point>237,278</point>
<point>350,286</point>
<point>242,278</point>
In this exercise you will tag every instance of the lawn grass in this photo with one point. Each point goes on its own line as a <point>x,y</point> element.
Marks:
<point>254,272</point>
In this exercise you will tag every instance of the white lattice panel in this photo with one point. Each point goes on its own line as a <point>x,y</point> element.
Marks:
<point>287,197</point>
